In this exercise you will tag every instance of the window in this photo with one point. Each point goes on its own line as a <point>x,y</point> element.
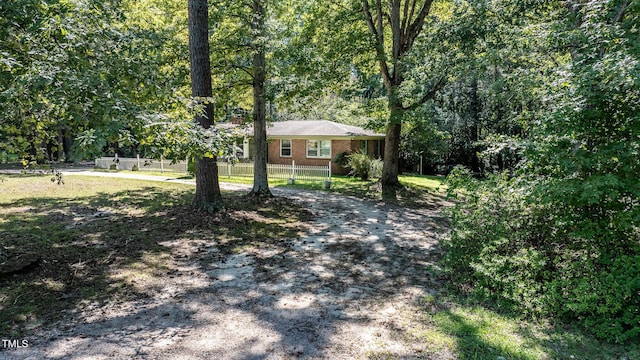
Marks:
<point>319,149</point>
<point>377,148</point>
<point>285,148</point>
<point>364,146</point>
<point>239,148</point>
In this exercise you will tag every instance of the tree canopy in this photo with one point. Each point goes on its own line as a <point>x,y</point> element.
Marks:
<point>537,102</point>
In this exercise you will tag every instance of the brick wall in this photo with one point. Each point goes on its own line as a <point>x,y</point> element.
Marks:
<point>371,147</point>
<point>299,153</point>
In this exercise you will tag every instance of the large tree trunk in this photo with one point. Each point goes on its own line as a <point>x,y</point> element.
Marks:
<point>390,168</point>
<point>207,188</point>
<point>260,180</point>
<point>404,23</point>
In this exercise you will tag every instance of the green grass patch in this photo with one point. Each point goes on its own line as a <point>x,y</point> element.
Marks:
<point>98,239</point>
<point>417,191</point>
<point>432,183</point>
<point>474,331</point>
<point>168,174</point>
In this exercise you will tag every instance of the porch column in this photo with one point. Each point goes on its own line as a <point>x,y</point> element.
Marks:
<point>245,148</point>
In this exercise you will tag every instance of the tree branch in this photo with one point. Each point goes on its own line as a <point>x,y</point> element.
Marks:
<point>413,10</point>
<point>405,20</point>
<point>379,16</point>
<point>242,17</point>
<point>416,27</point>
<point>621,12</point>
<point>394,8</point>
<point>428,96</point>
<point>384,68</point>
<point>369,18</point>
<point>234,84</point>
<point>243,68</point>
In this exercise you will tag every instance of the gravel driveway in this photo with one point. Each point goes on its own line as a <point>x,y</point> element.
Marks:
<point>350,287</point>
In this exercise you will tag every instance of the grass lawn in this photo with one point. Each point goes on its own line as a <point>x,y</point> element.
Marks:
<point>98,238</point>
<point>85,230</point>
<point>434,183</point>
<point>418,190</point>
<point>477,331</point>
<point>167,174</point>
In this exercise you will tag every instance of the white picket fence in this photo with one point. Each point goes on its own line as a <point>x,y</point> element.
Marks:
<point>278,171</point>
<point>274,171</point>
<point>142,163</point>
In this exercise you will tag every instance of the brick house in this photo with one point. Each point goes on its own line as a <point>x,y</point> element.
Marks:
<point>315,142</point>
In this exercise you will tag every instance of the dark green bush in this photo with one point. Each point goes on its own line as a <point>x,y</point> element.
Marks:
<point>342,158</point>
<point>553,248</point>
<point>191,167</point>
<point>560,235</point>
<point>362,166</point>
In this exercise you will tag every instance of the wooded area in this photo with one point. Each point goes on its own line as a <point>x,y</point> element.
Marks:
<point>533,107</point>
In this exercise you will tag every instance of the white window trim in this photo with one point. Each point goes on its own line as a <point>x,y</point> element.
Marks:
<point>319,156</point>
<point>290,148</point>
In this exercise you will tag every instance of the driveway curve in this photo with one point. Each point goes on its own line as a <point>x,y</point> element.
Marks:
<point>351,286</point>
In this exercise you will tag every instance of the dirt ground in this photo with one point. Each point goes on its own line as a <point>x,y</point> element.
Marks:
<point>350,287</point>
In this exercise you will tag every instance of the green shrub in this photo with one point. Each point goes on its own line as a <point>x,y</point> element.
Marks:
<point>363,167</point>
<point>376,168</point>
<point>342,158</point>
<point>549,248</point>
<point>191,167</point>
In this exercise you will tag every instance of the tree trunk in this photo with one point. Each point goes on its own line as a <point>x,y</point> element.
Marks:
<point>260,180</point>
<point>390,169</point>
<point>60,146</point>
<point>68,145</point>
<point>208,195</point>
<point>404,26</point>
<point>473,129</point>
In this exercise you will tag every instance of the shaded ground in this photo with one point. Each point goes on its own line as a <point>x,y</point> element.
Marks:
<point>347,281</point>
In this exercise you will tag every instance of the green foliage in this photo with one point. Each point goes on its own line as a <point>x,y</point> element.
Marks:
<point>560,235</point>
<point>185,139</point>
<point>57,177</point>
<point>359,165</point>
<point>375,170</point>
<point>342,158</point>
<point>497,240</point>
<point>422,137</point>
<point>363,167</point>
<point>552,258</point>
<point>85,69</point>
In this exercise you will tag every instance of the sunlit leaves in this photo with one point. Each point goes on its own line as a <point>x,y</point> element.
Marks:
<point>77,66</point>
<point>574,196</point>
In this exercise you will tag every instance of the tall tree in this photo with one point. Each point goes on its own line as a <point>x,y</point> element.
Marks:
<point>207,187</point>
<point>404,22</point>
<point>260,180</point>
<point>246,48</point>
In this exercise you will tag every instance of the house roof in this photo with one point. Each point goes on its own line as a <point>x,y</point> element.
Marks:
<point>305,128</point>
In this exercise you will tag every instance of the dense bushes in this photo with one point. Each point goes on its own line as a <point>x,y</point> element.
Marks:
<point>362,166</point>
<point>559,249</point>
<point>560,235</point>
